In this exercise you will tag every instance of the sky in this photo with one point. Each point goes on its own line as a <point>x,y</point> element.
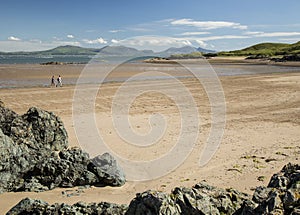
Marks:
<point>215,24</point>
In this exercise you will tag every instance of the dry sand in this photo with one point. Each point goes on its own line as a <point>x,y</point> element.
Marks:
<point>261,134</point>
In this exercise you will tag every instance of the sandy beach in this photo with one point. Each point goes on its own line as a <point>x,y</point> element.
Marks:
<point>261,133</point>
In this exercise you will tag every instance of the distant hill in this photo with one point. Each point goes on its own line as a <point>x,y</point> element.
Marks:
<point>110,51</point>
<point>60,50</point>
<point>266,49</point>
<point>76,50</point>
<point>123,51</point>
<point>183,50</point>
<point>68,50</point>
<point>202,50</point>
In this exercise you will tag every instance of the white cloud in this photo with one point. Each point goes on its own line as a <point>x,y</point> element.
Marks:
<point>115,31</point>
<point>62,43</point>
<point>208,24</point>
<point>194,33</point>
<point>70,36</point>
<point>201,43</point>
<point>140,29</point>
<point>99,40</point>
<point>252,32</point>
<point>33,45</point>
<point>271,34</point>
<point>115,41</point>
<point>223,37</point>
<point>12,38</point>
<point>158,43</point>
<point>277,34</point>
<point>292,40</point>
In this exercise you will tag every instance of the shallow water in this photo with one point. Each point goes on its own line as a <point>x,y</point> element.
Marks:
<point>34,75</point>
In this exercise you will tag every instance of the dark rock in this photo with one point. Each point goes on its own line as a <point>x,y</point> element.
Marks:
<point>6,118</point>
<point>291,198</point>
<point>258,56</point>
<point>34,155</point>
<point>47,129</point>
<point>285,58</point>
<point>152,202</point>
<point>105,167</point>
<point>200,199</point>
<point>206,199</point>
<point>291,58</point>
<point>282,196</point>
<point>71,168</point>
<point>296,211</point>
<point>14,160</point>
<point>261,194</point>
<point>286,178</point>
<point>278,181</point>
<point>271,204</point>
<point>30,206</point>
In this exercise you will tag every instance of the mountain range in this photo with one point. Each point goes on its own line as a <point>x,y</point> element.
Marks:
<point>110,51</point>
<point>265,49</point>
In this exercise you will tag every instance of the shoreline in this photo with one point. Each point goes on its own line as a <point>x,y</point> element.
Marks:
<point>242,60</point>
<point>213,60</point>
<point>35,75</point>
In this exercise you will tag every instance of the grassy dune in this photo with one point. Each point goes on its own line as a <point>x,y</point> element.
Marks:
<point>267,49</point>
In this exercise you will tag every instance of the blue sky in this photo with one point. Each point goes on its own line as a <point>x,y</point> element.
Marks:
<point>216,24</point>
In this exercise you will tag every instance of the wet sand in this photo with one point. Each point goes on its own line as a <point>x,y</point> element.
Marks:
<point>261,133</point>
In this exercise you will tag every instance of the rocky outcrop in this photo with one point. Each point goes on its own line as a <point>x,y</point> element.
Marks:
<point>281,196</point>
<point>34,155</point>
<point>30,206</point>
<point>286,58</point>
<point>200,199</point>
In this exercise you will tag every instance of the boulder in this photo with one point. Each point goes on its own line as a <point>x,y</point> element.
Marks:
<point>282,195</point>
<point>105,167</point>
<point>153,202</point>
<point>6,118</point>
<point>36,129</point>
<point>47,129</point>
<point>34,155</point>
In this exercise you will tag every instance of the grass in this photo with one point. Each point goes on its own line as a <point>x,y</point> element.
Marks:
<point>266,49</point>
<point>193,55</point>
<point>259,166</point>
<point>261,178</point>
<point>281,153</point>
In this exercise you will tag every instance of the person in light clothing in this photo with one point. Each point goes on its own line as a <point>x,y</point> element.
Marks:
<point>59,81</point>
